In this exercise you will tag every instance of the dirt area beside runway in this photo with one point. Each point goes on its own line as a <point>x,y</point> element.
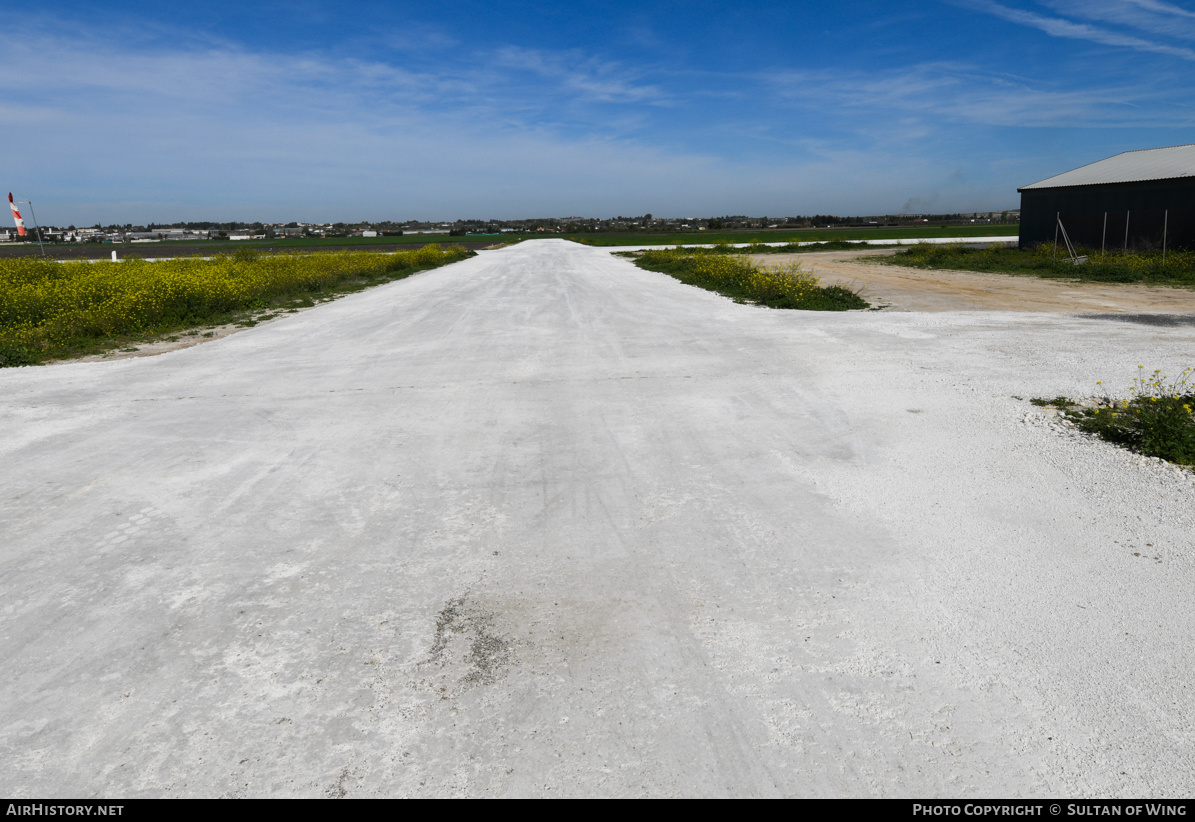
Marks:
<point>913,289</point>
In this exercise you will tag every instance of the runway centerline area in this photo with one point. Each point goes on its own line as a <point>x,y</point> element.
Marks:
<point>541,523</point>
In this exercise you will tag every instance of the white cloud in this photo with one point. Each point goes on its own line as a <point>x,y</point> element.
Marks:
<point>598,79</point>
<point>934,94</point>
<point>1163,20</point>
<point>1106,11</point>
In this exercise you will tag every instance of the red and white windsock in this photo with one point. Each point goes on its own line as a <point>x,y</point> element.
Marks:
<point>16,215</point>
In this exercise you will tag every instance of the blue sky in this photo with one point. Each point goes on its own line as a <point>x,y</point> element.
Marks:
<point>309,110</point>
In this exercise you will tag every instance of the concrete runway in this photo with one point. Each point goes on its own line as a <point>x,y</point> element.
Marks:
<point>543,524</point>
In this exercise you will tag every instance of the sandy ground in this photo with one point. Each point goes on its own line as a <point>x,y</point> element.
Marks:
<point>541,523</point>
<point>912,289</point>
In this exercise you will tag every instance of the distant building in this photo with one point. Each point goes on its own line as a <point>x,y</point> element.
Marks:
<point>1135,200</point>
<point>83,235</point>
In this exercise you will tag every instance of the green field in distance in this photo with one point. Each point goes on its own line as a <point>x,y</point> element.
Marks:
<point>797,235</point>
<point>331,242</point>
<point>611,239</point>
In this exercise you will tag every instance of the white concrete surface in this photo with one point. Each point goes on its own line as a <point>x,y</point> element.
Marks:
<point>541,523</point>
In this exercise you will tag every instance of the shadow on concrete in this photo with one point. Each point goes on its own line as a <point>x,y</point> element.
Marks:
<point>1165,320</point>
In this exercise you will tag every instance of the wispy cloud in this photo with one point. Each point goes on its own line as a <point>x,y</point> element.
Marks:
<point>600,80</point>
<point>1156,19</point>
<point>940,93</point>
<point>510,87</point>
<point>1163,8</point>
<point>1106,11</point>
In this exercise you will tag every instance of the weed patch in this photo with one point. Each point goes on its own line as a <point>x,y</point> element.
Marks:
<point>13,354</point>
<point>1158,420</point>
<point>1058,402</point>
<point>744,281</point>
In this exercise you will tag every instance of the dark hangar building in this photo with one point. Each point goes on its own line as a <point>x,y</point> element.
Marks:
<point>1136,201</point>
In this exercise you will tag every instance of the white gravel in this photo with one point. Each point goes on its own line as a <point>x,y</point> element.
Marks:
<point>541,523</point>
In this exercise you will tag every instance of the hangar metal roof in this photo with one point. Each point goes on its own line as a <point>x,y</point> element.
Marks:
<point>1127,167</point>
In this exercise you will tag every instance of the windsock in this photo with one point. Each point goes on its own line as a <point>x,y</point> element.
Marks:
<point>16,215</point>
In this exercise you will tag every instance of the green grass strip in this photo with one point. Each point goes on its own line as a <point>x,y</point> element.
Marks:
<point>794,235</point>
<point>1178,268</point>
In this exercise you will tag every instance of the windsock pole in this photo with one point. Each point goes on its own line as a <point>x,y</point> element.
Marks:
<point>36,227</point>
<point>16,215</point>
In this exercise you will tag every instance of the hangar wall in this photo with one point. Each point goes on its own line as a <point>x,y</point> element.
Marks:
<point>1142,204</point>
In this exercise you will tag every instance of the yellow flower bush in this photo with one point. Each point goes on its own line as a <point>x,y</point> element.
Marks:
<point>47,307</point>
<point>1157,420</point>
<point>776,286</point>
